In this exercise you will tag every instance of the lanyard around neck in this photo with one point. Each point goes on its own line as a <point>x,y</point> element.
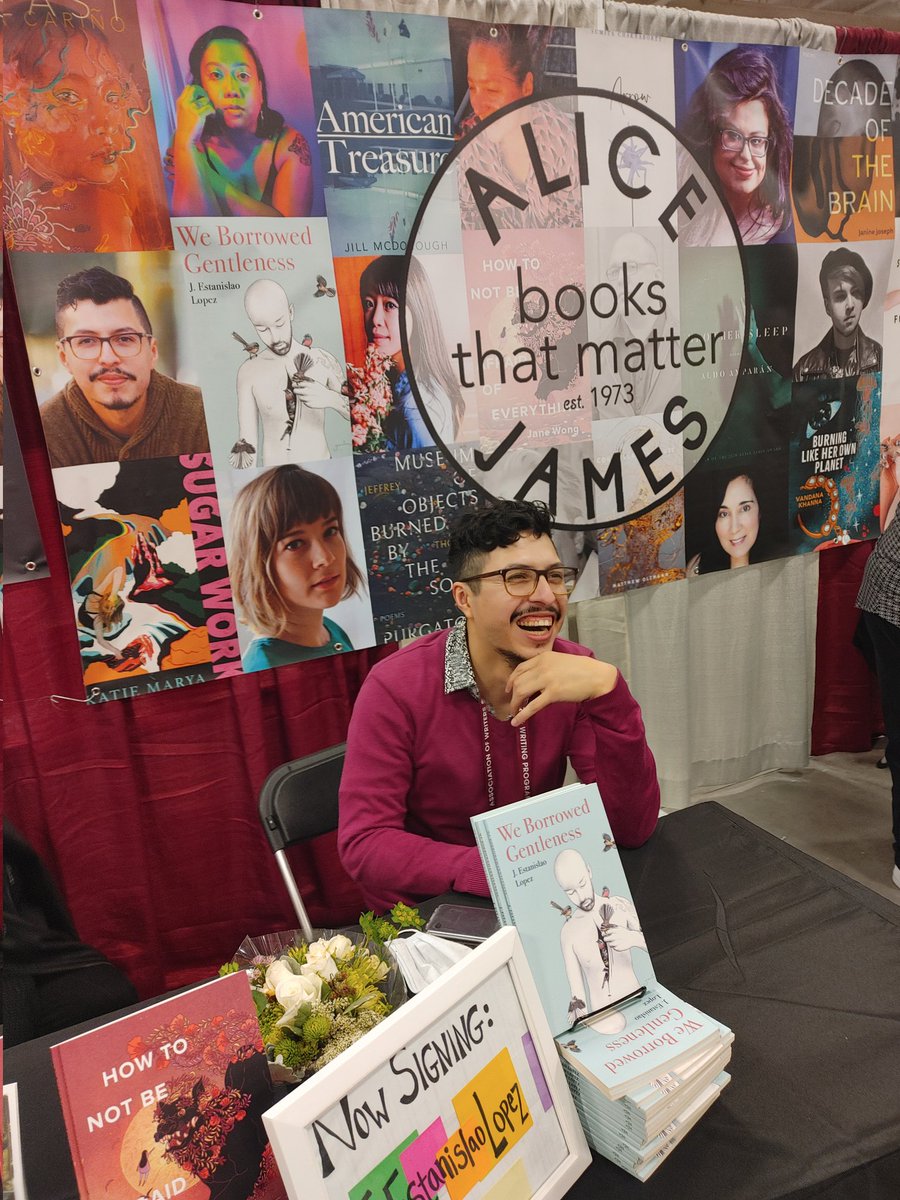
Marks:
<point>488,760</point>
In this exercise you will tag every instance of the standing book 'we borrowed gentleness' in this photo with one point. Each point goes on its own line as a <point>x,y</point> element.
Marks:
<point>555,873</point>
<point>168,1102</point>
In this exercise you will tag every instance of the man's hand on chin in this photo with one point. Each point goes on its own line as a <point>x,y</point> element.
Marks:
<point>550,677</point>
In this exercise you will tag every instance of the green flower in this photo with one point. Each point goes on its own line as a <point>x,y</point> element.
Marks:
<point>317,1027</point>
<point>404,916</point>
<point>377,929</point>
<point>229,968</point>
<point>268,1020</point>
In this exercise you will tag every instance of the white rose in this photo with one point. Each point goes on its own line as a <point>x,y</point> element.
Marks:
<point>319,958</point>
<point>292,990</point>
<point>306,991</point>
<point>339,946</point>
<point>324,967</point>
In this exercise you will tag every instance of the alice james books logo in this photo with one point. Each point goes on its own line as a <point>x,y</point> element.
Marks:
<point>584,324</point>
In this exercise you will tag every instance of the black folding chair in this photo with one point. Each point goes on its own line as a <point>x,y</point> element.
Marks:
<point>298,801</point>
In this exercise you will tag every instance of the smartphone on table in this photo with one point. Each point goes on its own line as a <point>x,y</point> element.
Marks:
<point>462,922</point>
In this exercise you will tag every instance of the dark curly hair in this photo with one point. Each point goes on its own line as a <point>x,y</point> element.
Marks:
<point>478,531</point>
<point>99,286</point>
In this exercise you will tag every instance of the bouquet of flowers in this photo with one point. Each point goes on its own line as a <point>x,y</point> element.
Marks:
<point>314,999</point>
<point>371,398</point>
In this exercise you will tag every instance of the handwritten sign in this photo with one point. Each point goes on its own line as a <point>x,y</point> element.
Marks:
<point>459,1093</point>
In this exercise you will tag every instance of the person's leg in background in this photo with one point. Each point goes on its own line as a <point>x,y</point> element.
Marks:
<point>886,645</point>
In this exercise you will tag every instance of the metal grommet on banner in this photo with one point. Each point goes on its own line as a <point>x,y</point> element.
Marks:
<point>36,371</point>
<point>684,47</point>
<point>31,566</point>
<point>257,14</point>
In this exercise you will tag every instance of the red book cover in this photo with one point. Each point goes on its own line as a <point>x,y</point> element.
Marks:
<point>168,1102</point>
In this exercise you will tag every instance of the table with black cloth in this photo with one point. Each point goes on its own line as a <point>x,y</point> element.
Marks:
<point>801,962</point>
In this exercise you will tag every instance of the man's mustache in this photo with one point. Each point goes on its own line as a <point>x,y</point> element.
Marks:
<point>101,371</point>
<point>550,610</point>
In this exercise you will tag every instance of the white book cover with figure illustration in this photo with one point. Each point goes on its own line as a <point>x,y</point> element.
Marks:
<point>555,873</point>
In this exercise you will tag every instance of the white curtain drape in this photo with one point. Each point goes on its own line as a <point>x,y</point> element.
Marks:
<point>722,665</point>
<point>654,20</point>
<point>577,14</point>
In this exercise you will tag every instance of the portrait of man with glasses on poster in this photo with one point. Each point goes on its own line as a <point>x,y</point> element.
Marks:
<point>116,406</point>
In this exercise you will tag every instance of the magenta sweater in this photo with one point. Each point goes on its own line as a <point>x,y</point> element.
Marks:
<point>415,773</point>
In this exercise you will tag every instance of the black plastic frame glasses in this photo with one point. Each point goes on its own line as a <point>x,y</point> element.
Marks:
<point>759,145</point>
<point>523,581</point>
<point>123,345</point>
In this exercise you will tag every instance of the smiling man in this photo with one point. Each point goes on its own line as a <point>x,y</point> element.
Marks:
<point>846,284</point>
<point>116,406</point>
<point>484,715</point>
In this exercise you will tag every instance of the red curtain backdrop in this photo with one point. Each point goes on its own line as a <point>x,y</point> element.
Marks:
<point>846,708</point>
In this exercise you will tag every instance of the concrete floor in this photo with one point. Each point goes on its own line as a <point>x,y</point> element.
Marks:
<point>838,810</point>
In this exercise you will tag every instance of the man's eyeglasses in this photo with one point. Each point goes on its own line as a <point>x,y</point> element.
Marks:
<point>733,142</point>
<point>614,274</point>
<point>523,581</point>
<point>123,345</point>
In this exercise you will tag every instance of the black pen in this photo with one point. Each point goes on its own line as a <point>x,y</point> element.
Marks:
<point>629,998</point>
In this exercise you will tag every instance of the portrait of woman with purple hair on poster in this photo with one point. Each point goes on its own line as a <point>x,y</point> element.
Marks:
<point>738,129</point>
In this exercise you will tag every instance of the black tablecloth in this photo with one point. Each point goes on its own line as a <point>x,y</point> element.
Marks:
<point>801,962</point>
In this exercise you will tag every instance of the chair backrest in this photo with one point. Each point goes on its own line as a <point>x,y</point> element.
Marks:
<point>299,799</point>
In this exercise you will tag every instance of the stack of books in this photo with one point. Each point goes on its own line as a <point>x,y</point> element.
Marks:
<point>643,1065</point>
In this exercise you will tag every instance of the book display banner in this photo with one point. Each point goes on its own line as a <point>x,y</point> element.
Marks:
<point>299,285</point>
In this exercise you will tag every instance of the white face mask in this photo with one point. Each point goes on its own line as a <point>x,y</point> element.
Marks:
<point>423,958</point>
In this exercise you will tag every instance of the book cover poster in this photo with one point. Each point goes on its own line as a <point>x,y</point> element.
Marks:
<point>494,65</point>
<point>383,90</point>
<point>136,580</point>
<point>627,144</point>
<point>843,171</point>
<point>233,105</point>
<point>642,552</point>
<point>13,1173</point>
<point>835,461</point>
<point>637,305</point>
<point>735,109</point>
<point>101,399</point>
<point>715,317</point>
<point>297,560</point>
<point>168,1101</point>
<point>631,67</point>
<point>81,168</point>
<point>258,303</point>
<point>522,356</point>
<point>890,402</point>
<point>404,397</point>
<point>736,511</point>
<point>556,875</point>
<point>839,321</point>
<point>758,418</point>
<point>405,504</point>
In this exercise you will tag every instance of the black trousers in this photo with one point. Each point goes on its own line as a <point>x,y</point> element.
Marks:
<point>37,1004</point>
<point>886,646</point>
